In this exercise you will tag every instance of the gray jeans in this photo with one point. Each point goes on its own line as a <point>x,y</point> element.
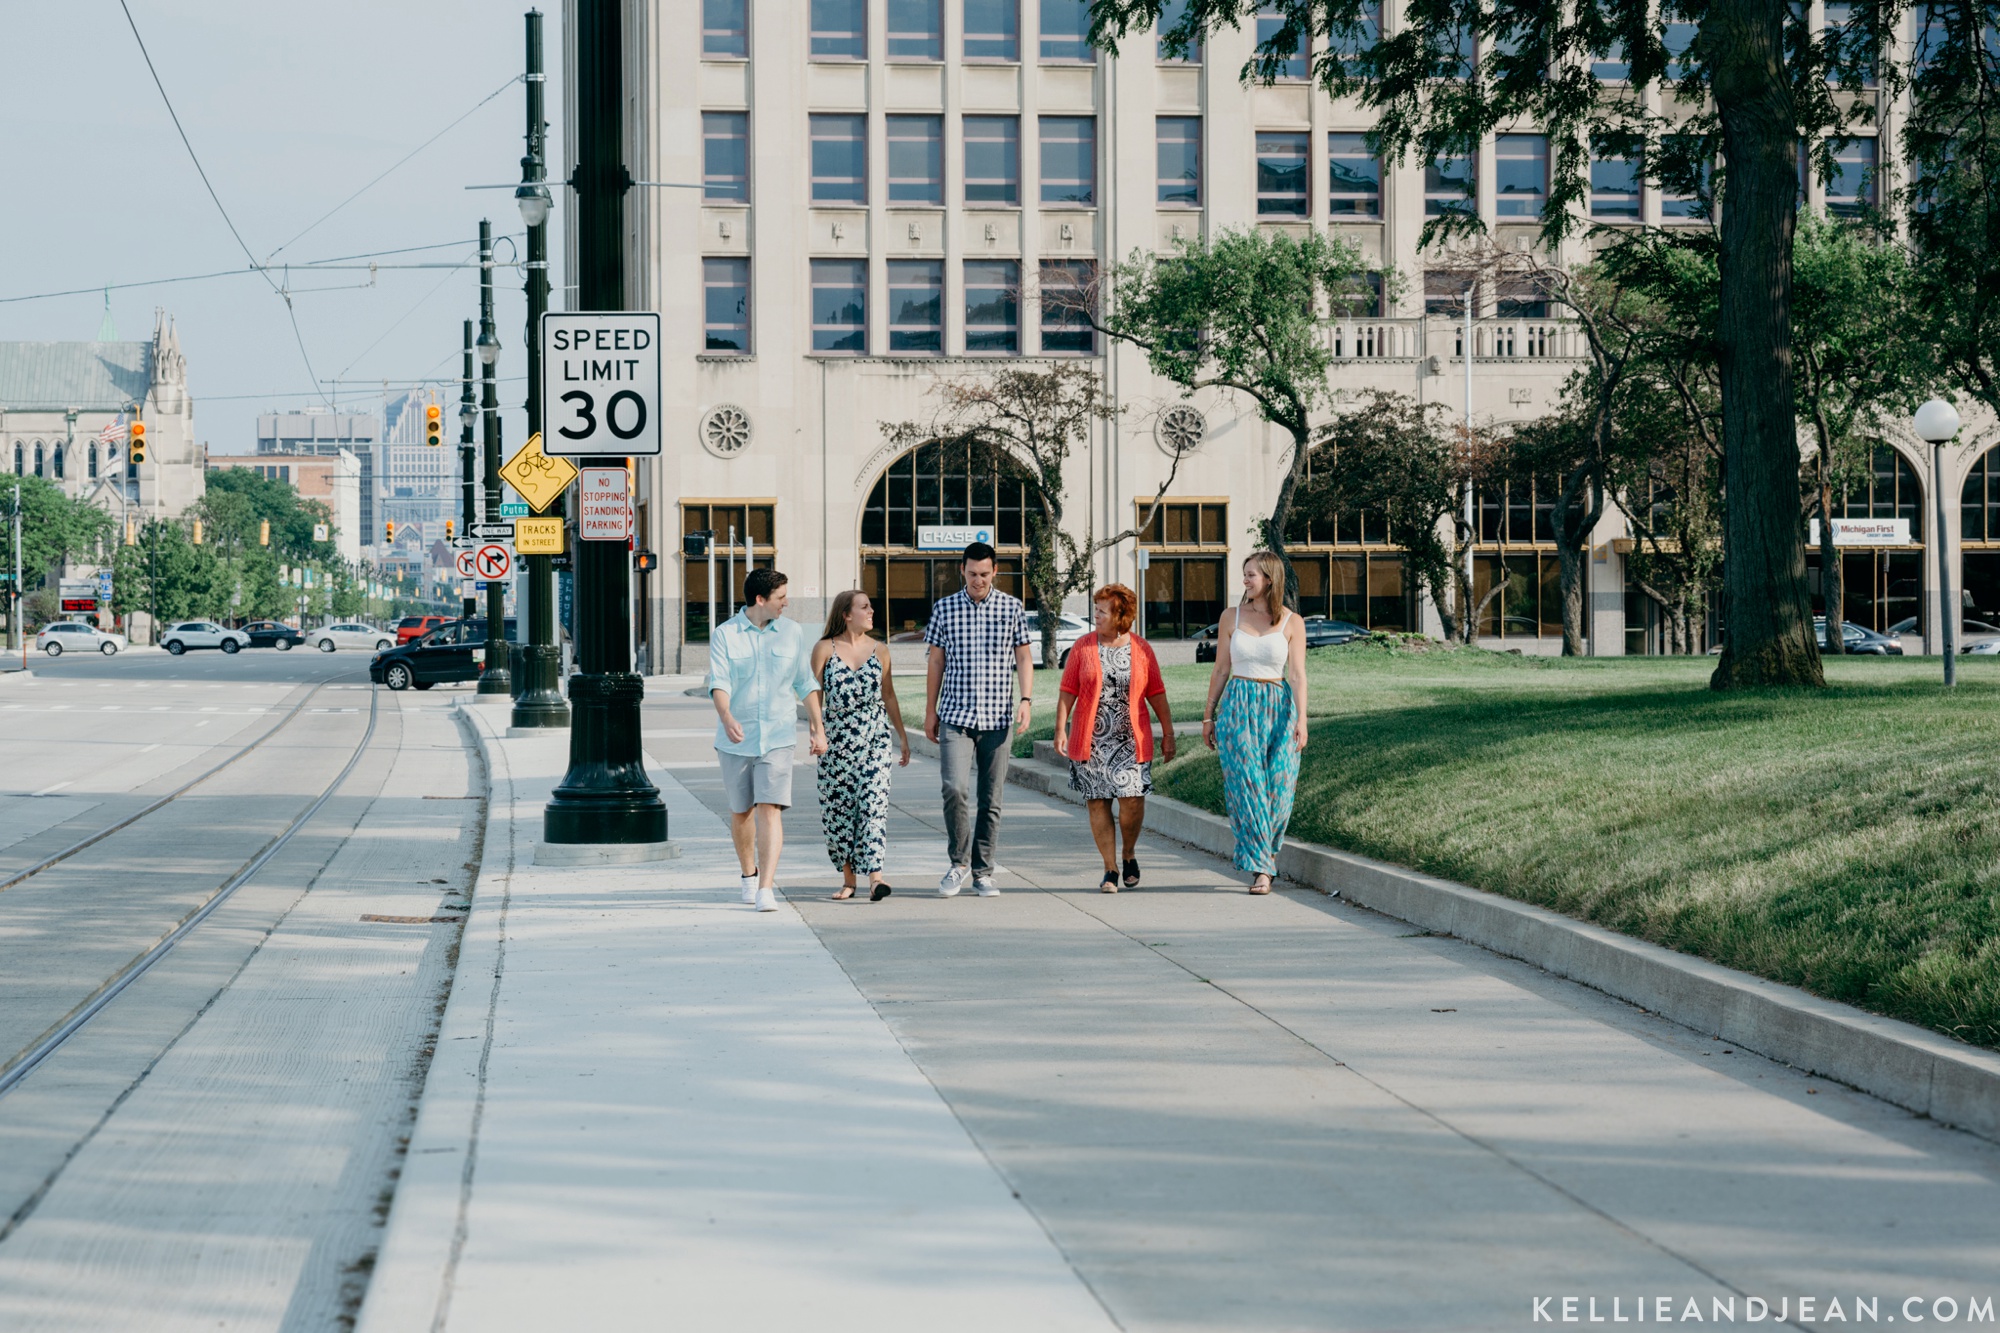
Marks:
<point>962,752</point>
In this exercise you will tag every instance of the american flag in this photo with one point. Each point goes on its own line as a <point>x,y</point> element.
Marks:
<point>114,432</point>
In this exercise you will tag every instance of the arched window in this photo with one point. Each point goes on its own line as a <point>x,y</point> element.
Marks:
<point>937,485</point>
<point>1889,491</point>
<point>38,458</point>
<point>1980,500</point>
<point>20,456</point>
<point>58,461</point>
<point>93,462</point>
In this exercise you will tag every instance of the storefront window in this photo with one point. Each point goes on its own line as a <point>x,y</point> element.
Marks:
<point>754,524</point>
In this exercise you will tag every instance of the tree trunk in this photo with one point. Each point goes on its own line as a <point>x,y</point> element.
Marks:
<point>1569,559</point>
<point>1768,636</point>
<point>1830,590</point>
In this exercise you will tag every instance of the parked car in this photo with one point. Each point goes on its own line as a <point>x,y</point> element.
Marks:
<point>273,634</point>
<point>203,634</point>
<point>1069,629</point>
<point>73,636</point>
<point>350,634</point>
<point>1974,636</point>
<point>1320,633</point>
<point>415,627</point>
<point>1860,642</point>
<point>454,651</point>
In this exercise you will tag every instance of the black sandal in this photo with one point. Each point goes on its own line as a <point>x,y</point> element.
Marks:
<point>880,892</point>
<point>1110,882</point>
<point>1131,873</point>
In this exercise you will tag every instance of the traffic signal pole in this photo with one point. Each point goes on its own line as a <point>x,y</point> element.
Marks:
<point>466,411</point>
<point>496,678</point>
<point>540,703</point>
<point>606,796</point>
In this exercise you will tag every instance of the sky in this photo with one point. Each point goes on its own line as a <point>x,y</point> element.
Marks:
<point>291,108</point>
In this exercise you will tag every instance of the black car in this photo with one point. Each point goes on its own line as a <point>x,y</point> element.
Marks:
<point>1320,633</point>
<point>273,634</point>
<point>454,651</point>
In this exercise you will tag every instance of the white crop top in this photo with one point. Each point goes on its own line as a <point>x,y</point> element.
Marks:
<point>1260,656</point>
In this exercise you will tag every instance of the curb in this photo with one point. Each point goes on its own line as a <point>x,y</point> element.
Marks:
<point>1899,1062</point>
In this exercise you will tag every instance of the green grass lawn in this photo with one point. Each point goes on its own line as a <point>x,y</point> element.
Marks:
<point>1846,841</point>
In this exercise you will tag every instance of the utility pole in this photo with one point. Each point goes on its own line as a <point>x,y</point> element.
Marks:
<point>467,414</point>
<point>606,796</point>
<point>14,639</point>
<point>540,702</point>
<point>496,678</point>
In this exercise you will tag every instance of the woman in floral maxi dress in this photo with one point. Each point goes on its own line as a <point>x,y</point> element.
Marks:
<point>859,698</point>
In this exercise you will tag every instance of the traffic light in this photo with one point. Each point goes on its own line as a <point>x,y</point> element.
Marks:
<point>389,531</point>
<point>135,451</point>
<point>448,529</point>
<point>433,424</point>
<point>264,533</point>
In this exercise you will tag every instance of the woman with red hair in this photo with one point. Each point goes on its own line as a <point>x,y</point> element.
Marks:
<point>1103,730</point>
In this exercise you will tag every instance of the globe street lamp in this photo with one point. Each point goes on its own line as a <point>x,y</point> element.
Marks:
<point>1937,421</point>
<point>532,197</point>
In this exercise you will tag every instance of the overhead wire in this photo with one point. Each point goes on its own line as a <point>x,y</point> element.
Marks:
<point>302,264</point>
<point>290,313</point>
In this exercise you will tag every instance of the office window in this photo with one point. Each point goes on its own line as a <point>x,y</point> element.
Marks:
<point>1291,58</point>
<point>916,159</point>
<point>1445,291</point>
<point>1069,159</point>
<point>58,461</point>
<point>39,461</point>
<point>1674,205</point>
<point>1851,192</point>
<point>1363,299</point>
<point>1520,298</point>
<point>992,160</point>
<point>1066,30</point>
<point>992,305</point>
<point>1172,13</point>
<point>726,303</point>
<point>1678,38</point>
<point>1281,175</point>
<point>1180,160</point>
<point>1448,187</point>
<point>1353,177</point>
<point>916,29</point>
<point>992,29</point>
<point>1349,46</point>
<point>840,305</point>
<point>840,159</point>
<point>1521,175</point>
<point>725,28</point>
<point>1841,13</point>
<point>1614,188</point>
<point>93,462</point>
<point>839,29</point>
<point>18,464</point>
<point>725,156</point>
<point>1066,284</point>
<point>1612,66</point>
<point>916,305</point>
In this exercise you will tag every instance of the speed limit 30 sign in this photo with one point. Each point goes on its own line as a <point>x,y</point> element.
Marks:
<point>601,382</point>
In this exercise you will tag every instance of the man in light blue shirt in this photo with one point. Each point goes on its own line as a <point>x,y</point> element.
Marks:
<point>759,666</point>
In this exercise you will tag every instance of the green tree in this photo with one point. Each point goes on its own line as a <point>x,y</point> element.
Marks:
<point>1243,313</point>
<point>164,574</point>
<point>1750,83</point>
<point>55,530</point>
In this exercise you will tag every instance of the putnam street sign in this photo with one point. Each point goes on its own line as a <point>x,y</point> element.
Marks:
<point>540,479</point>
<point>513,509</point>
<point>601,383</point>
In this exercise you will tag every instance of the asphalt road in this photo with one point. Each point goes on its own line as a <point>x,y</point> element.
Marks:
<point>216,1148</point>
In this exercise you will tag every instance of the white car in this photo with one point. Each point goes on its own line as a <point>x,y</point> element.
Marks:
<point>73,636</point>
<point>203,634</point>
<point>351,634</point>
<point>1069,629</point>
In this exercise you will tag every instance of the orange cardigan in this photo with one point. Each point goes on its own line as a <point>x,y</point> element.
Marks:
<point>1083,677</point>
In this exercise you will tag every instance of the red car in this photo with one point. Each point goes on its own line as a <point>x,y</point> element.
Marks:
<point>415,627</point>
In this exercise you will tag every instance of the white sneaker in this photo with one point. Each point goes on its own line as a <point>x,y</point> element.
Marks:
<point>954,880</point>
<point>767,901</point>
<point>986,887</point>
<point>749,888</point>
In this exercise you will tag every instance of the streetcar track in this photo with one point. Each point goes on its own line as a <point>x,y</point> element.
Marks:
<point>164,801</point>
<point>29,1058</point>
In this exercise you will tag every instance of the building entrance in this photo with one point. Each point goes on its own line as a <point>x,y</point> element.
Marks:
<point>938,484</point>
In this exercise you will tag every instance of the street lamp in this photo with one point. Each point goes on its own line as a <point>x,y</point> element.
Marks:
<point>532,197</point>
<point>488,347</point>
<point>1937,421</point>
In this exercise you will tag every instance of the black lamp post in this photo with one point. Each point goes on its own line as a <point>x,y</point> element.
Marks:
<point>468,414</point>
<point>606,796</point>
<point>495,679</point>
<point>540,703</point>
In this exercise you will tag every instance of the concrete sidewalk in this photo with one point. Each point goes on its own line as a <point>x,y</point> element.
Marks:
<point>654,1108</point>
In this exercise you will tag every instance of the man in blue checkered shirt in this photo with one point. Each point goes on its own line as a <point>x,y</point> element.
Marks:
<point>978,650</point>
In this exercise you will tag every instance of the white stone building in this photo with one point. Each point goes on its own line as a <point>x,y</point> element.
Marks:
<point>881,177</point>
<point>65,408</point>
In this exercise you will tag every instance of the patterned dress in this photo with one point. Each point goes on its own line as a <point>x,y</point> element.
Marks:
<point>854,771</point>
<point>1113,769</point>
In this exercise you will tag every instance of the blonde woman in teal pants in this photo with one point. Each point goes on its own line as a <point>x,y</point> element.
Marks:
<point>1256,715</point>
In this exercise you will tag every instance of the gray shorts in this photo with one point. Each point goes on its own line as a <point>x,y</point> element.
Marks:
<point>757,779</point>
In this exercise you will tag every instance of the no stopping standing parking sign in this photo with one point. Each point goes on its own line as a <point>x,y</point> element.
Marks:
<point>601,383</point>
